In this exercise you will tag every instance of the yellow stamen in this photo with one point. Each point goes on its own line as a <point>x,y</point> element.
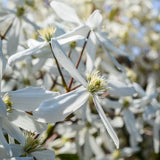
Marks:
<point>9,104</point>
<point>47,33</point>
<point>96,83</point>
<point>32,144</point>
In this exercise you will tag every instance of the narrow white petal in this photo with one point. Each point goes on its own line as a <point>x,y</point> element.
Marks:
<point>65,12</point>
<point>2,63</point>
<point>3,153</point>
<point>130,125</point>
<point>3,140</point>
<point>26,122</point>
<point>95,20</point>
<point>87,146</point>
<point>36,27</point>
<point>33,43</point>
<point>139,89</point>
<point>17,149</point>
<point>101,41</point>
<point>111,47</point>
<point>151,86</point>
<point>13,39</point>
<point>81,30</point>
<point>91,49</point>
<point>120,89</point>
<point>21,158</point>
<point>58,108</point>
<point>96,148</point>
<point>108,104</point>
<point>3,110</point>
<point>45,154</point>
<point>13,131</point>
<point>66,62</point>
<point>105,121</point>
<point>29,98</point>
<point>23,54</point>
<point>63,41</point>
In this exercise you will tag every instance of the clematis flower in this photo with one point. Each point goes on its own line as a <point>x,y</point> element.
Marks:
<point>35,46</point>
<point>96,37</point>
<point>13,107</point>
<point>4,122</point>
<point>58,108</point>
<point>30,149</point>
<point>18,19</point>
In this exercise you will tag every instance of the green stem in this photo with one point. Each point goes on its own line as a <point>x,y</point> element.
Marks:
<point>63,80</point>
<point>80,57</point>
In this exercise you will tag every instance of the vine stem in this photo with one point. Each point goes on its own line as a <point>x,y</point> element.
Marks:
<point>59,70</point>
<point>80,57</point>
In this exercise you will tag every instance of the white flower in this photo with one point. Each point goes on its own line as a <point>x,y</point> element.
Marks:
<point>38,47</point>
<point>18,22</point>
<point>29,149</point>
<point>58,108</point>
<point>92,25</point>
<point>13,107</point>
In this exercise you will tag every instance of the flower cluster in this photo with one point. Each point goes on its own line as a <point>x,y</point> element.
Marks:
<point>75,83</point>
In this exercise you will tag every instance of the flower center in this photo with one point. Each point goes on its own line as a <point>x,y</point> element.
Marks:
<point>126,102</point>
<point>9,104</point>
<point>20,11</point>
<point>32,144</point>
<point>47,33</point>
<point>96,83</point>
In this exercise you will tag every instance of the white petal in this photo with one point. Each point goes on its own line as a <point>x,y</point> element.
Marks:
<point>17,149</point>
<point>101,41</point>
<point>65,12</point>
<point>36,27</point>
<point>22,158</point>
<point>3,140</point>
<point>130,125</point>
<point>107,104</point>
<point>3,110</point>
<point>139,89</point>
<point>110,46</point>
<point>58,108</point>
<point>96,148</point>
<point>120,89</point>
<point>23,54</point>
<point>3,153</point>
<point>28,99</point>
<point>2,63</point>
<point>13,131</point>
<point>44,155</point>
<point>33,43</point>
<point>151,86</point>
<point>105,121</point>
<point>63,41</point>
<point>91,49</point>
<point>13,39</point>
<point>127,151</point>
<point>81,30</point>
<point>66,63</point>
<point>117,122</point>
<point>142,102</point>
<point>95,20</point>
<point>26,122</point>
<point>87,146</point>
